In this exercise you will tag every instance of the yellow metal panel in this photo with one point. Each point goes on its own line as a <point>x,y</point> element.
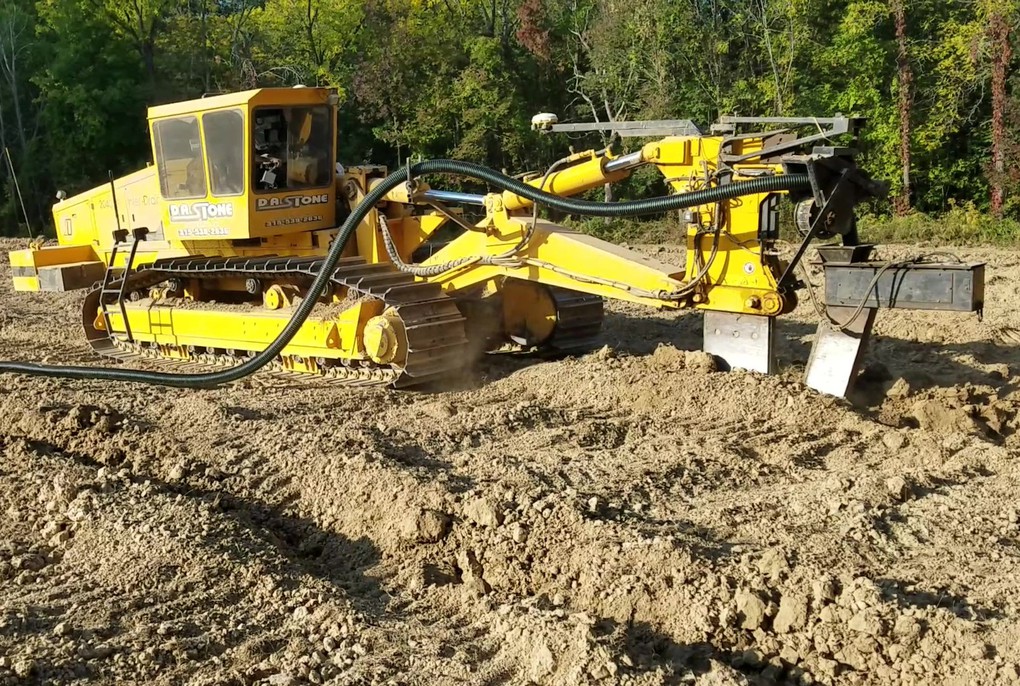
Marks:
<point>554,256</point>
<point>139,203</point>
<point>222,329</point>
<point>52,256</point>
<point>22,258</point>
<point>160,323</point>
<point>74,219</point>
<point>88,217</point>
<point>214,102</point>
<point>738,259</point>
<point>26,283</point>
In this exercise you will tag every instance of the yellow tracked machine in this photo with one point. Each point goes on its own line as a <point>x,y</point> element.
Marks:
<point>247,245</point>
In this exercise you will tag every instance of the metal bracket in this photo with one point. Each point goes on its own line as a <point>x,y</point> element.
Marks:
<point>634,129</point>
<point>837,126</point>
<point>833,204</point>
<point>856,288</point>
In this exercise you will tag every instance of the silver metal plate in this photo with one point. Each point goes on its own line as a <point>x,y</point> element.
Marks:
<point>836,355</point>
<point>950,287</point>
<point>741,341</point>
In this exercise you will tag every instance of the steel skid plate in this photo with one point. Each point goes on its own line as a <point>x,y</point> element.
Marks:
<point>741,341</point>
<point>837,354</point>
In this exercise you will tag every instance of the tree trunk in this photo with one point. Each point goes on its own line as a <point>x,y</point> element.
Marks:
<point>12,80</point>
<point>206,80</point>
<point>318,56</point>
<point>148,52</point>
<point>1002,53</point>
<point>905,77</point>
<point>147,41</point>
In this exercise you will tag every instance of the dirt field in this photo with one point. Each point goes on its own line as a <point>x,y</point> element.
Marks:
<point>630,516</point>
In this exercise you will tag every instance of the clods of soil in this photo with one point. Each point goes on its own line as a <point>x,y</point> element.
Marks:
<point>627,516</point>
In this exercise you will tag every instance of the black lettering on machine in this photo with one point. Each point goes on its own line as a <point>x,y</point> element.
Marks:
<point>291,221</point>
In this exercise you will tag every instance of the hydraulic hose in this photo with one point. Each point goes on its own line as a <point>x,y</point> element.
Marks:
<point>569,205</point>
<point>762,184</point>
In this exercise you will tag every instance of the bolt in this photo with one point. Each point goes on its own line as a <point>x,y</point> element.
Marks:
<point>753,303</point>
<point>772,303</point>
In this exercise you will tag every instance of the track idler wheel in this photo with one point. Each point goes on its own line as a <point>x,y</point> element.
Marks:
<point>384,339</point>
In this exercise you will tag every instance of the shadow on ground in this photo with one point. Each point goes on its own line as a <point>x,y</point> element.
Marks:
<point>649,649</point>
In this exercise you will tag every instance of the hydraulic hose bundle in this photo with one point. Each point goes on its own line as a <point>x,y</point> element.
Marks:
<point>766,184</point>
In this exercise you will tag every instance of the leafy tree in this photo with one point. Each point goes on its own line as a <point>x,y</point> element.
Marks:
<point>93,93</point>
<point>437,78</point>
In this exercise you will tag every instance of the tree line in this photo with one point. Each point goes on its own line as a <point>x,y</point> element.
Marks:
<point>461,78</point>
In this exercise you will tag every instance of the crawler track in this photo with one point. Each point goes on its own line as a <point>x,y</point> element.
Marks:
<point>578,320</point>
<point>433,326</point>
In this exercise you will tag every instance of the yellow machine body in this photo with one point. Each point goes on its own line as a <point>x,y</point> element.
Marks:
<point>244,192</point>
<point>741,279</point>
<point>195,193</point>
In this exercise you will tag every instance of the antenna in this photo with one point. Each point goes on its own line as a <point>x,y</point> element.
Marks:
<point>17,187</point>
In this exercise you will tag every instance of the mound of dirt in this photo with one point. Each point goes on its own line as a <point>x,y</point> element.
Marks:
<point>627,516</point>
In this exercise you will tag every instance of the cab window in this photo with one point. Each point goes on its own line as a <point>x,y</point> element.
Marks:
<point>224,141</point>
<point>179,157</point>
<point>292,148</point>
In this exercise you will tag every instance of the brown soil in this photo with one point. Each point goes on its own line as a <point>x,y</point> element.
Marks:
<point>628,516</point>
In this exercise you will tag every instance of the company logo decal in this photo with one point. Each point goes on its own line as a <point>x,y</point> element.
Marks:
<point>200,211</point>
<point>291,201</point>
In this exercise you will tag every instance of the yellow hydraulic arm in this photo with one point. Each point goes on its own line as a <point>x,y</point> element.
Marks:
<point>731,262</point>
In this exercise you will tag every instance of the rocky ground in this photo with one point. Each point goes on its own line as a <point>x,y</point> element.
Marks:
<point>630,516</point>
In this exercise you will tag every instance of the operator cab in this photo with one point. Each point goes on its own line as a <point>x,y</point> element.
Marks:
<point>291,147</point>
<point>246,165</point>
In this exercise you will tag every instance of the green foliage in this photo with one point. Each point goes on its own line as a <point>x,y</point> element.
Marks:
<point>461,78</point>
<point>93,93</point>
<point>961,225</point>
<point>313,43</point>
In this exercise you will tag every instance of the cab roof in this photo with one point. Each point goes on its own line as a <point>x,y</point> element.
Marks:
<point>298,95</point>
